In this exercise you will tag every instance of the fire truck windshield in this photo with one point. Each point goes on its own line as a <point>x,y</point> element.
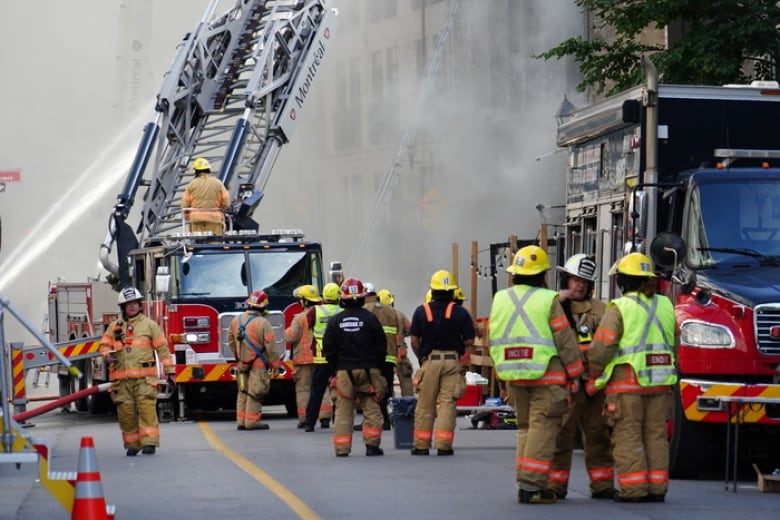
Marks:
<point>235,274</point>
<point>734,222</point>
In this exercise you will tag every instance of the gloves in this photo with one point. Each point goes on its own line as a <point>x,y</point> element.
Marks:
<point>171,380</point>
<point>110,359</point>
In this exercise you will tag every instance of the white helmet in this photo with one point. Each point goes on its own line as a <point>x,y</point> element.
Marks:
<point>368,287</point>
<point>581,265</point>
<point>129,294</point>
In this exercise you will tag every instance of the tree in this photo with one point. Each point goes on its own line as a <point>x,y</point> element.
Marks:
<point>721,41</point>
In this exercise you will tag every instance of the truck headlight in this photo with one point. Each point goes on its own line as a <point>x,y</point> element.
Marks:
<point>194,338</point>
<point>705,335</point>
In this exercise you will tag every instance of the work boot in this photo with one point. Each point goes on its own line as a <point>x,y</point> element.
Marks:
<point>308,428</point>
<point>441,452</point>
<point>324,423</point>
<point>655,498</point>
<point>357,428</point>
<point>240,427</point>
<point>417,451</point>
<point>149,450</point>
<point>260,426</point>
<point>342,454</point>
<point>607,494</point>
<point>542,496</point>
<point>301,425</point>
<point>132,452</point>
<point>374,451</point>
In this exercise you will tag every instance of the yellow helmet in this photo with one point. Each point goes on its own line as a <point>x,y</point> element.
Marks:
<point>443,281</point>
<point>201,164</point>
<point>529,260</point>
<point>634,264</point>
<point>308,292</point>
<point>460,295</point>
<point>385,297</point>
<point>331,292</point>
<point>428,296</point>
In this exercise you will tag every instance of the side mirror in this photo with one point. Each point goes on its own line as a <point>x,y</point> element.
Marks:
<point>667,250</point>
<point>336,272</point>
<point>162,281</point>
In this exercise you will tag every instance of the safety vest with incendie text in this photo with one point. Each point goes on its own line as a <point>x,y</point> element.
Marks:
<point>322,313</point>
<point>647,341</point>
<point>521,340</point>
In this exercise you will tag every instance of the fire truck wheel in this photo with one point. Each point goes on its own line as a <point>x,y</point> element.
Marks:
<point>687,446</point>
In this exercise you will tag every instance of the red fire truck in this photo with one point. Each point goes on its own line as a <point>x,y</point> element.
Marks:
<point>691,176</point>
<point>236,90</point>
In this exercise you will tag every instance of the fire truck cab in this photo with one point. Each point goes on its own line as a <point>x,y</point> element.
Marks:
<point>195,288</point>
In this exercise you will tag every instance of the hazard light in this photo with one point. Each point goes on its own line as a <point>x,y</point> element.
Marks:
<point>191,338</point>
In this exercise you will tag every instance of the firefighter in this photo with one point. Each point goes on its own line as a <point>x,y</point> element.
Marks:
<point>205,200</point>
<point>404,369</point>
<point>319,396</point>
<point>128,348</point>
<point>355,346</point>
<point>299,335</point>
<point>253,342</point>
<point>577,280</point>
<point>441,332</point>
<point>536,358</point>
<point>459,297</point>
<point>393,327</point>
<point>632,357</point>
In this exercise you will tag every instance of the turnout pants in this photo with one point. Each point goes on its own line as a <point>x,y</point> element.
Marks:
<point>303,378</point>
<point>585,412</point>
<point>366,387</point>
<point>540,409</point>
<point>249,404</point>
<point>639,442</point>
<point>404,369</point>
<point>440,385</point>
<point>136,410</point>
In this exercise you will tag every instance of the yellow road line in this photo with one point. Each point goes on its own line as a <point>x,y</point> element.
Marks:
<point>297,505</point>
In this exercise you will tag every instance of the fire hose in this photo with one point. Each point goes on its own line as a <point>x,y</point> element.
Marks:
<point>57,403</point>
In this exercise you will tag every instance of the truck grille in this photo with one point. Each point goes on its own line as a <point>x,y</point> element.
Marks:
<point>768,321</point>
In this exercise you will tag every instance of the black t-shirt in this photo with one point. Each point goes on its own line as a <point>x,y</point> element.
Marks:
<point>354,338</point>
<point>442,333</point>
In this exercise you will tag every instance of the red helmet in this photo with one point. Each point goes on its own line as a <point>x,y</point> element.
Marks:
<point>258,300</point>
<point>352,289</point>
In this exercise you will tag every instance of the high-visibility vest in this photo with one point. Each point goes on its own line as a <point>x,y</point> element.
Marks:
<point>322,313</point>
<point>521,340</point>
<point>647,342</point>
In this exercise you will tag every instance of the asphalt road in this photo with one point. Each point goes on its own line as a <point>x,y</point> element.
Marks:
<point>207,469</point>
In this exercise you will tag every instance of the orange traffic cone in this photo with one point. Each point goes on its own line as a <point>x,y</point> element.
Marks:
<point>88,502</point>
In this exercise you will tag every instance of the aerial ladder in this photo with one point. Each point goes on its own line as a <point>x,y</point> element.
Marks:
<point>234,92</point>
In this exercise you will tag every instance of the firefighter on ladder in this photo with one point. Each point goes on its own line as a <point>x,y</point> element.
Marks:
<point>253,343</point>
<point>205,200</point>
<point>128,348</point>
<point>632,357</point>
<point>537,360</point>
<point>577,280</point>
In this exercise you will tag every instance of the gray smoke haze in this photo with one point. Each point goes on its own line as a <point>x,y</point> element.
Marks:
<point>86,74</point>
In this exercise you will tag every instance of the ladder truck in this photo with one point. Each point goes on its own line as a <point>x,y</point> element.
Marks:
<point>690,175</point>
<point>235,92</point>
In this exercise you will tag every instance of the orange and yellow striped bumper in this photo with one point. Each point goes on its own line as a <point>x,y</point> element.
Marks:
<point>700,401</point>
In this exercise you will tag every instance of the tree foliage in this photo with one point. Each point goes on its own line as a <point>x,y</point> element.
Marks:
<point>723,41</point>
